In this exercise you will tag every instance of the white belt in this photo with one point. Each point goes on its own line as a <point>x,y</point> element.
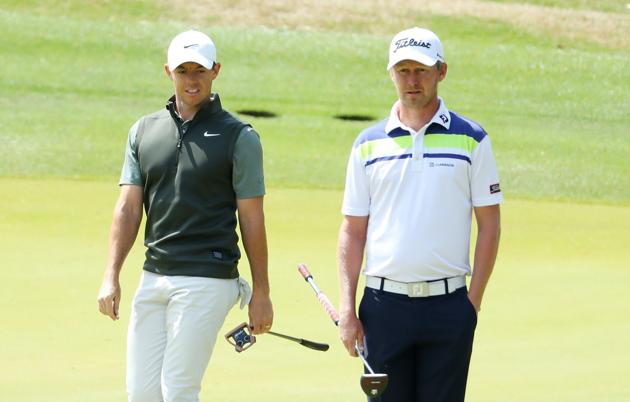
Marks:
<point>417,289</point>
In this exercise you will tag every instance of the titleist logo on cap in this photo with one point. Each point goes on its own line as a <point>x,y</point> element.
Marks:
<point>405,42</point>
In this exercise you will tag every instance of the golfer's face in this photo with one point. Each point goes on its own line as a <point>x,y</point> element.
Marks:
<point>193,83</point>
<point>416,83</point>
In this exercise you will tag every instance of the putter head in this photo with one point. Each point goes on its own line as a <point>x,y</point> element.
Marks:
<point>241,338</point>
<point>374,384</point>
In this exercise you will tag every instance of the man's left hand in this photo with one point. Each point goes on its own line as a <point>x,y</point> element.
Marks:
<point>260,313</point>
<point>475,302</point>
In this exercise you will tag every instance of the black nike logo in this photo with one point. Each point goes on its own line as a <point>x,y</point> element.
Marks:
<point>194,44</point>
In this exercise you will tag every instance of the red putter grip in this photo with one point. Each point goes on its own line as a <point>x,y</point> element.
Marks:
<point>332,313</point>
<point>304,271</point>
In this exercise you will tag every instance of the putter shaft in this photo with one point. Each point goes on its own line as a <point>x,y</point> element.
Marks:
<point>284,336</point>
<point>365,363</point>
<point>322,347</point>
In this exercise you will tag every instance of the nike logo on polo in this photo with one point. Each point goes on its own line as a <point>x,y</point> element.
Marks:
<point>207,134</point>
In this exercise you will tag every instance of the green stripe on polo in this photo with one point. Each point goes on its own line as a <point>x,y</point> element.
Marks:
<point>384,146</point>
<point>459,141</point>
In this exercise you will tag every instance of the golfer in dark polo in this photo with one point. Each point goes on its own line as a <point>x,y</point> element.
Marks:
<point>414,180</point>
<point>192,166</point>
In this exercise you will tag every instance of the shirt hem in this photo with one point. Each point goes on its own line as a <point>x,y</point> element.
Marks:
<point>355,212</point>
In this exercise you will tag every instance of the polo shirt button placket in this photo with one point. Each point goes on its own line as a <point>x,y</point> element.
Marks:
<point>417,152</point>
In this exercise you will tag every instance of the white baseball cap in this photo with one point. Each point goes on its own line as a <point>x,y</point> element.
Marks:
<point>191,46</point>
<point>416,44</point>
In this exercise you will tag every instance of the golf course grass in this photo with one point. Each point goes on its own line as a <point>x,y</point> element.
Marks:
<point>75,75</point>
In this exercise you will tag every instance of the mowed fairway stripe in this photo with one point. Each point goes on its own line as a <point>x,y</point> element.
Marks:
<point>553,324</point>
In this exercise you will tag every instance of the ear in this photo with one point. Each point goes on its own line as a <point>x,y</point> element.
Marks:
<point>215,69</point>
<point>443,72</point>
<point>168,72</point>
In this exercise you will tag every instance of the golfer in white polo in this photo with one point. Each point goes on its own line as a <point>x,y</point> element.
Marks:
<point>413,182</point>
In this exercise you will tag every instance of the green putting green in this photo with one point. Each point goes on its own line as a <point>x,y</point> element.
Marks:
<point>555,307</point>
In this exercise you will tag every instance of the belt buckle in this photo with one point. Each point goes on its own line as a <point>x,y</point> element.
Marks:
<point>418,289</point>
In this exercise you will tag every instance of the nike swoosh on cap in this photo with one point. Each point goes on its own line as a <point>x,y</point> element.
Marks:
<point>206,134</point>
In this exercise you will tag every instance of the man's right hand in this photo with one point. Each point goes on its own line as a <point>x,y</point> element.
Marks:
<point>109,297</point>
<point>351,333</point>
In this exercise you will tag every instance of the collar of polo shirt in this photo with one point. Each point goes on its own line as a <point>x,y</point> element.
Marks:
<point>441,117</point>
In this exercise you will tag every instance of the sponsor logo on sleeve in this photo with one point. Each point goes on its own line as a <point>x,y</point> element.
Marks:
<point>494,188</point>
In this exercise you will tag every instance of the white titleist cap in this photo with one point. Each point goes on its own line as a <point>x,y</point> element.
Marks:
<point>191,46</point>
<point>416,44</point>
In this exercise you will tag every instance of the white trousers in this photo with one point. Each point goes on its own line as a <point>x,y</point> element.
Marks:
<point>172,331</point>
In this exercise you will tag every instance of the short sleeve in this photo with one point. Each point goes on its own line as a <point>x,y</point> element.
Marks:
<point>131,173</point>
<point>248,177</point>
<point>484,185</point>
<point>356,197</point>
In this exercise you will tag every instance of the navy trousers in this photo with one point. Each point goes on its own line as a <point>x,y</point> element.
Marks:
<point>423,344</point>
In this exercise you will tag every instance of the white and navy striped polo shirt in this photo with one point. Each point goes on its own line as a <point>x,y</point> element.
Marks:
<point>418,189</point>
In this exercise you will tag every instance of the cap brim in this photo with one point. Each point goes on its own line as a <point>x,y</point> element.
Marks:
<point>189,57</point>
<point>408,54</point>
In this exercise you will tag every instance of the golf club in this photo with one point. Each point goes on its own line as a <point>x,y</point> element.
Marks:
<point>372,384</point>
<point>241,338</point>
